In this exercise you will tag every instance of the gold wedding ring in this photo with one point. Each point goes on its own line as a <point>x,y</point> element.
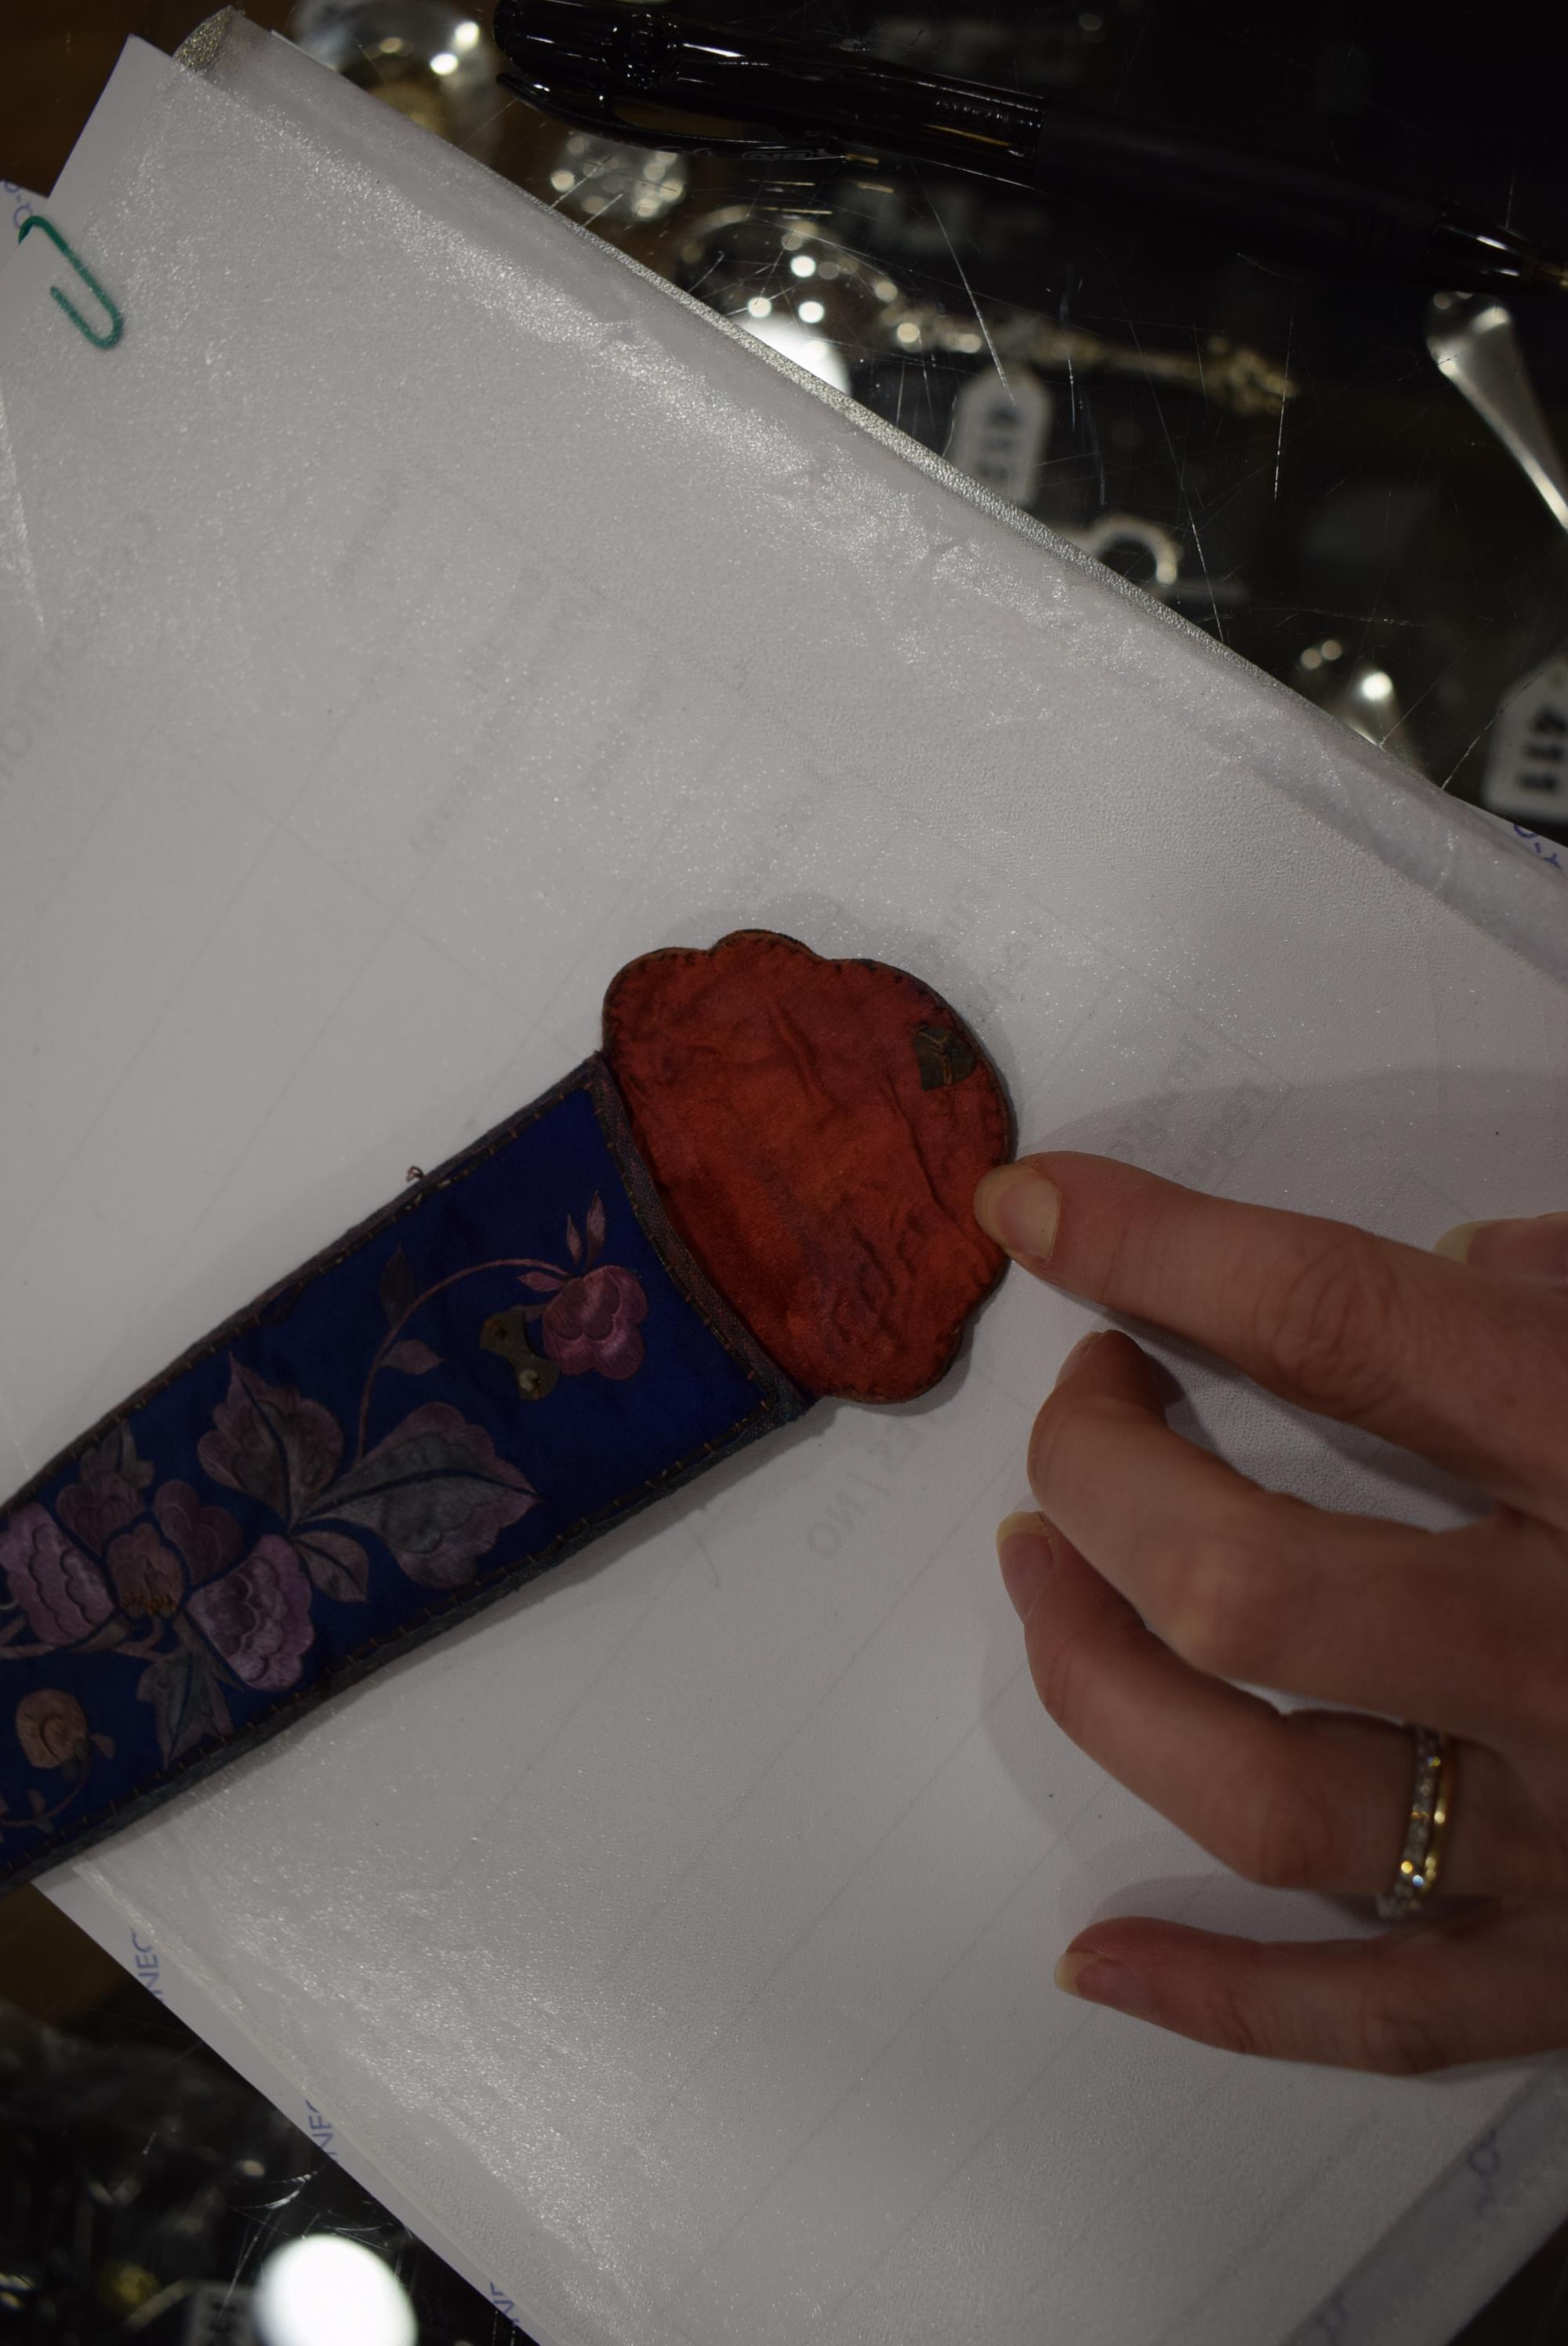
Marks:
<point>1431,1802</point>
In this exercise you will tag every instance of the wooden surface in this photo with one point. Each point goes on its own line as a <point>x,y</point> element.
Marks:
<point>56,57</point>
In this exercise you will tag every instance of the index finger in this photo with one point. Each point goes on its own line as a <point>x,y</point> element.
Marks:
<point>1467,1369</point>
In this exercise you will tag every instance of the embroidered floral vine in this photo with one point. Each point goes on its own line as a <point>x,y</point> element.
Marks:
<point>158,1574</point>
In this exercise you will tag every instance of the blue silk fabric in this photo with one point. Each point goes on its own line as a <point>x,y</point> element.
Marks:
<point>511,1357</point>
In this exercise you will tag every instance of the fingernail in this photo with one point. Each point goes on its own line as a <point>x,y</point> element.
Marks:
<point>1535,1248</point>
<point>1084,1344</point>
<point>1017,1207</point>
<point>1024,1553</point>
<point>1098,1980</point>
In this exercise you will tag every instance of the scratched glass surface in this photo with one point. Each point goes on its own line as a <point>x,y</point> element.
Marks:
<point>1276,456</point>
<point>148,2192</point>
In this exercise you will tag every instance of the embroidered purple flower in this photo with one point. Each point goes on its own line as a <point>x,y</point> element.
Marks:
<point>59,1590</point>
<point>592,1322</point>
<point>51,1727</point>
<point>208,1539</point>
<point>94,1509</point>
<point>147,1576</point>
<point>259,1616</point>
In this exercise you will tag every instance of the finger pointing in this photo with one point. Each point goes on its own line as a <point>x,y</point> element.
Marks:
<point>1486,1986</point>
<point>1535,1250</point>
<point>1357,1328</point>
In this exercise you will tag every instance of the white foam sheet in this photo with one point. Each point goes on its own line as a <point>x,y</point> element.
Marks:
<point>430,612</point>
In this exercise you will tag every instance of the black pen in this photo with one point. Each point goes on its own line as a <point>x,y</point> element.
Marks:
<point>666,81</point>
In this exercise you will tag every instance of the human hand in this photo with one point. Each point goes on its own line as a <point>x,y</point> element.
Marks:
<point>1154,1574</point>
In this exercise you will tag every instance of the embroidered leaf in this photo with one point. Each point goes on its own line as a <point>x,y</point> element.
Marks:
<point>542,1283</point>
<point>337,1564</point>
<point>106,1744</point>
<point>574,1243</point>
<point>117,1454</point>
<point>398,1288</point>
<point>115,1631</point>
<point>531,1312</point>
<point>594,1228</point>
<point>208,1539</point>
<point>273,1314</point>
<point>435,1492</point>
<point>187,1700</point>
<point>414,1358</point>
<point>271,1443</point>
<point>36,1801</point>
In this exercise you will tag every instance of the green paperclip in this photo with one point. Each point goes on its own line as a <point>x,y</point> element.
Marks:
<point>116,323</point>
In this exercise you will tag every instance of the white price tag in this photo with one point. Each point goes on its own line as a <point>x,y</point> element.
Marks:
<point>999,431</point>
<point>1527,765</point>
